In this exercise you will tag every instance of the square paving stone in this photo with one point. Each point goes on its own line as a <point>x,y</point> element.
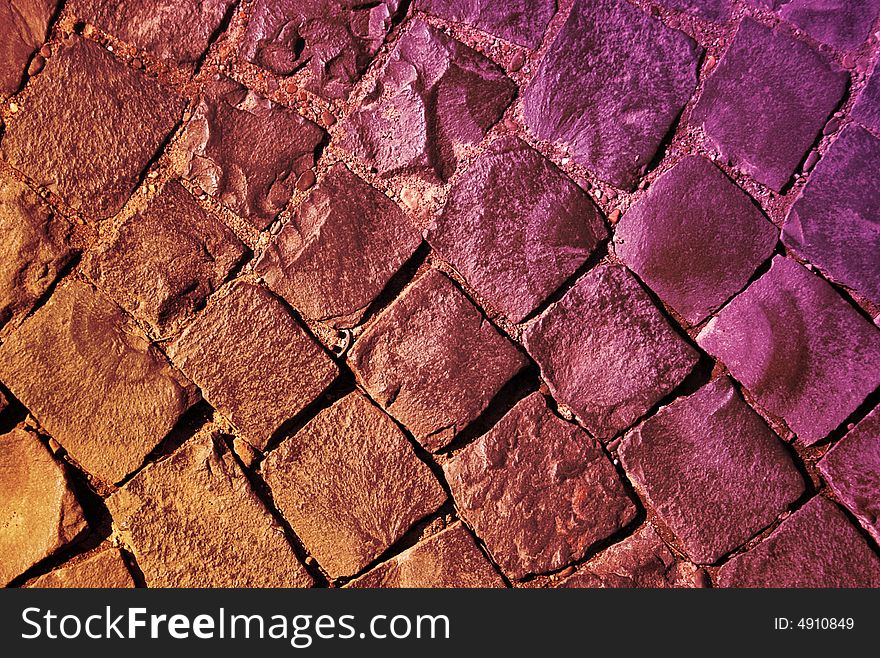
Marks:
<point>766,102</point>
<point>90,127</point>
<point>247,151</point>
<point>350,485</point>
<point>345,242</point>
<point>845,24</point>
<point>815,547</point>
<point>522,22</point>
<point>516,227</point>
<point>85,370</point>
<point>194,520</point>
<point>103,569</point>
<point>39,509</point>
<point>640,560</point>
<point>163,262</point>
<point>852,470</point>
<point>610,88</point>
<point>433,361</point>
<point>434,96</point>
<point>835,222</point>
<point>177,30</point>
<point>335,40</point>
<point>450,558</point>
<point>607,352</point>
<point>33,252</point>
<point>695,238</point>
<point>253,361</point>
<point>803,352</point>
<point>712,10</point>
<point>867,108</point>
<point>537,490</point>
<point>25,27</point>
<point>712,470</point>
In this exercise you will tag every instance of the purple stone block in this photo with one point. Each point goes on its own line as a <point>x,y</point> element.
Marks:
<point>711,10</point>
<point>867,109</point>
<point>845,24</point>
<point>610,88</point>
<point>835,223</point>
<point>767,100</point>
<point>695,238</point>
<point>522,22</point>
<point>803,352</point>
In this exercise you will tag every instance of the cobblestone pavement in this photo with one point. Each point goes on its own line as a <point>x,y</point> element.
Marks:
<point>440,293</point>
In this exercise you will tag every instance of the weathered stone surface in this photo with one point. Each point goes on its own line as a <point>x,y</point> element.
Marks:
<point>434,96</point>
<point>537,490</point>
<point>335,40</point>
<point>33,251</point>
<point>867,108</point>
<point>695,238</point>
<point>193,520</point>
<point>253,361</point>
<point>433,361</point>
<point>350,485</point>
<point>85,370</point>
<point>852,470</point>
<point>248,151</point>
<point>712,10</point>
<point>25,26</point>
<point>835,223</point>
<point>815,547</point>
<point>712,470</point>
<point>610,88</point>
<point>522,22</point>
<point>3,402</point>
<point>766,102</point>
<point>178,30</point>
<point>39,511</point>
<point>607,352</point>
<point>89,128</point>
<point>844,24</point>
<point>340,250</point>
<point>640,560</point>
<point>516,227</point>
<point>799,348</point>
<point>450,558</point>
<point>105,568</point>
<point>164,262</point>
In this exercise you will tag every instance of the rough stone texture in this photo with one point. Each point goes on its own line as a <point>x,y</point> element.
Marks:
<point>39,513</point>
<point>852,470</point>
<point>695,238</point>
<point>712,470</point>
<point>711,10</point>
<point>835,223</point>
<point>537,490</point>
<point>433,361</point>
<point>350,485</point>
<point>87,373</point>
<point>345,242</point>
<point>193,520</point>
<point>103,569</point>
<point>434,96</point>
<point>253,361</point>
<point>247,151</point>
<point>89,128</point>
<point>640,560</point>
<point>335,40</point>
<point>845,24</point>
<point>450,558</point>
<point>33,251</point>
<point>766,101</point>
<point>3,402</point>
<point>867,108</point>
<point>516,227</point>
<point>25,25</point>
<point>815,547</point>
<point>799,348</point>
<point>164,262</point>
<point>607,352</point>
<point>178,30</point>
<point>610,88</point>
<point>522,22</point>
